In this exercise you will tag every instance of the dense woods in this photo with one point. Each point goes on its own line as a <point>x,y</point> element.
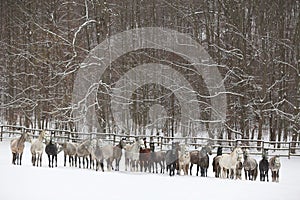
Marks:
<point>255,43</point>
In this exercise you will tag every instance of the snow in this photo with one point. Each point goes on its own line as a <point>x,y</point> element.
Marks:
<point>28,182</point>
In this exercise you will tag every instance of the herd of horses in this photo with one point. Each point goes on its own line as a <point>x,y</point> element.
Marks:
<point>92,153</point>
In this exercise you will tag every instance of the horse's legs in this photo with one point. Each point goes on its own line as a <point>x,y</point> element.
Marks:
<point>49,160</point>
<point>70,160</point>
<point>79,162</point>
<point>117,165</point>
<point>83,162</point>
<point>126,163</point>
<point>75,160</point>
<point>55,156</point>
<point>101,165</point>
<point>198,167</point>
<point>20,158</point>
<point>52,158</point>
<point>17,158</point>
<point>277,176</point>
<point>187,169</point>
<point>191,167</point>
<point>41,155</point>
<point>109,164</point>
<point>65,159</point>
<point>13,158</point>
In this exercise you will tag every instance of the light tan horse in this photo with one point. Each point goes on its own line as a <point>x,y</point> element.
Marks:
<point>184,159</point>
<point>37,149</point>
<point>17,147</point>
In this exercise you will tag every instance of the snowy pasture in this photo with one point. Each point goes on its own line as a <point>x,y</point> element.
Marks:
<point>35,183</point>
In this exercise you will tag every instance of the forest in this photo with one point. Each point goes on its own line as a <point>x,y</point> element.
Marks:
<point>255,43</point>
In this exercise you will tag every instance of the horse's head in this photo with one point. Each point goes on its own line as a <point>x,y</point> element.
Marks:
<point>28,137</point>
<point>208,149</point>
<point>122,143</point>
<point>246,153</point>
<point>142,144</point>
<point>239,153</point>
<point>276,160</point>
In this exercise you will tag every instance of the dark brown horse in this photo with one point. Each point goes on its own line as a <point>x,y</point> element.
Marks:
<point>172,158</point>
<point>144,159</point>
<point>52,149</point>
<point>216,166</point>
<point>215,163</point>
<point>264,168</point>
<point>117,153</point>
<point>201,159</point>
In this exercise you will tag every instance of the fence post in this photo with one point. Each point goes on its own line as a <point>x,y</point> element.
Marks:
<point>289,156</point>
<point>114,139</point>
<point>1,133</point>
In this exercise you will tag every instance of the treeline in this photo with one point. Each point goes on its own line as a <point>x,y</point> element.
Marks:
<point>256,44</point>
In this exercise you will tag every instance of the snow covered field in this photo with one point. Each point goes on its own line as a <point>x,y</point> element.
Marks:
<point>32,183</point>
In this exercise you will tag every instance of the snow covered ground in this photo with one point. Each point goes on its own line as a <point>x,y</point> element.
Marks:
<point>32,183</point>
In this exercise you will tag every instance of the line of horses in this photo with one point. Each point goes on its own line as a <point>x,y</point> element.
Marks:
<point>92,153</point>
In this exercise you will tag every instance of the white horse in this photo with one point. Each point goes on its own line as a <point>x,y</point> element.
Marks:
<point>183,159</point>
<point>132,153</point>
<point>95,149</point>
<point>228,162</point>
<point>108,155</point>
<point>37,149</point>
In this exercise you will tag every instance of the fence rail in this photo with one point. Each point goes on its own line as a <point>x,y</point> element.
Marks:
<point>286,149</point>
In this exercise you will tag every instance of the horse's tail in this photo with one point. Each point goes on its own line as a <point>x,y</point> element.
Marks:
<point>214,165</point>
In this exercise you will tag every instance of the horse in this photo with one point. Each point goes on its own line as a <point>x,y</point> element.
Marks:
<point>172,158</point>
<point>132,155</point>
<point>69,149</point>
<point>95,149</point>
<point>17,147</point>
<point>36,149</point>
<point>52,150</point>
<point>82,151</point>
<point>204,159</point>
<point>108,155</point>
<point>158,157</point>
<point>274,165</point>
<point>183,160</point>
<point>215,163</point>
<point>201,159</point>
<point>144,157</point>
<point>216,166</point>
<point>228,162</point>
<point>250,166</point>
<point>264,168</point>
<point>239,168</point>
<point>117,153</point>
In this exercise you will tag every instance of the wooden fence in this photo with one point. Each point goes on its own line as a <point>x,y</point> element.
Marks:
<point>287,149</point>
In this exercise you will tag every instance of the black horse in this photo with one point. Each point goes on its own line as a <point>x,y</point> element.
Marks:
<point>264,168</point>
<point>172,158</point>
<point>215,163</point>
<point>52,150</point>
